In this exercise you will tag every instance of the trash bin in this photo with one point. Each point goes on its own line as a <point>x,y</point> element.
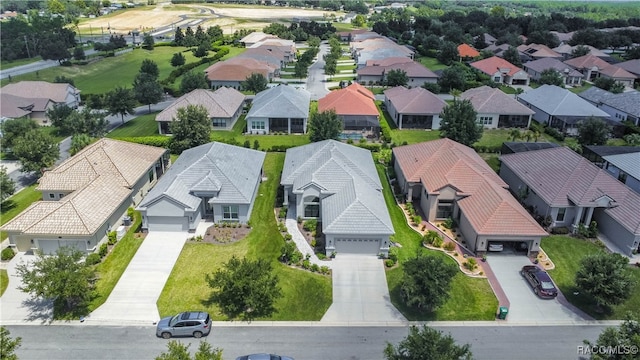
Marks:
<point>126,221</point>
<point>502,312</point>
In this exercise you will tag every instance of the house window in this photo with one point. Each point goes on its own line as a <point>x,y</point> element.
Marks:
<point>560,216</point>
<point>52,196</point>
<point>496,79</point>
<point>622,176</point>
<point>485,120</point>
<point>151,175</point>
<point>445,209</point>
<point>311,207</point>
<point>219,123</point>
<point>230,212</point>
<point>257,125</point>
<point>60,196</point>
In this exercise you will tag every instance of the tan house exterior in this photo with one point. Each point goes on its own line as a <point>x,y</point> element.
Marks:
<point>32,99</point>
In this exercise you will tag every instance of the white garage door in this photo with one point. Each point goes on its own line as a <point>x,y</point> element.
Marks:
<point>357,246</point>
<point>168,223</point>
<point>49,246</point>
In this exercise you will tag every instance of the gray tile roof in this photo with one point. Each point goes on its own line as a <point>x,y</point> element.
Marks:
<point>414,101</point>
<point>543,64</point>
<point>347,175</point>
<point>629,163</point>
<point>222,103</point>
<point>628,102</point>
<point>560,102</point>
<point>282,101</point>
<point>232,171</point>
<point>632,66</point>
<point>487,100</point>
<point>605,150</point>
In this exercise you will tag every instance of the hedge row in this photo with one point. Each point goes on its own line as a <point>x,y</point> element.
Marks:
<point>220,52</point>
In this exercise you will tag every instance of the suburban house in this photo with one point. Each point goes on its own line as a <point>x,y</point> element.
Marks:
<point>338,185</point>
<point>288,47</point>
<point>415,108</point>
<point>571,191</point>
<point>223,106</point>
<point>537,51</point>
<point>621,107</point>
<point>571,76</point>
<point>498,50</point>
<point>231,73</point>
<point>375,71</point>
<point>87,196</point>
<point>355,105</point>
<point>559,108</point>
<point>32,99</point>
<point>466,52</point>
<point>349,35</point>
<point>445,179</point>
<point>593,67</point>
<point>562,36</point>
<point>213,181</point>
<point>618,74</point>
<point>270,55</point>
<point>501,71</point>
<point>375,47</point>
<point>496,109</point>
<point>566,51</point>
<point>632,66</point>
<point>256,37</point>
<point>626,168</point>
<point>279,109</point>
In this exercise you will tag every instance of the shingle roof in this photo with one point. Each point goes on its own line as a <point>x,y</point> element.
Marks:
<point>626,101</point>
<point>487,100</point>
<point>222,103</point>
<point>538,51</point>
<point>629,163</point>
<point>568,49</point>
<point>412,68</point>
<point>256,36</point>
<point>414,101</point>
<point>282,101</point>
<point>347,175</point>
<point>605,150</point>
<point>560,102</point>
<point>13,107</point>
<point>40,89</point>
<point>465,50</point>
<point>616,72</point>
<point>238,69</point>
<point>543,64</point>
<point>355,99</point>
<point>575,181</point>
<point>494,64</point>
<point>587,61</point>
<point>230,170</point>
<point>632,66</point>
<point>487,202</point>
<point>389,61</point>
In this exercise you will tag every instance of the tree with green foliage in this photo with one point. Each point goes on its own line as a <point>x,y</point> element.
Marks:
<point>201,51</point>
<point>427,344</point>
<point>448,53</point>
<point>579,50</point>
<point>193,80</point>
<point>8,345</point>
<point>626,337</point>
<point>397,77</point>
<point>7,185</point>
<point>189,38</point>
<point>324,126</point>
<point>92,123</point>
<point>359,21</point>
<point>632,139</point>
<point>426,282</point>
<point>593,131</point>
<point>609,84</point>
<point>62,277</point>
<point>214,33</point>
<point>149,67</point>
<point>551,77</point>
<point>178,37</point>
<point>147,89</point>
<point>245,289</point>
<point>79,142</point>
<point>58,114</point>
<point>36,150</point>
<point>78,53</point>
<point>330,66</point>
<point>513,56</point>
<point>148,42</point>
<point>190,128</point>
<point>61,79</point>
<point>255,82</point>
<point>605,278</point>
<point>301,70</point>
<point>15,128</point>
<point>178,60</point>
<point>120,101</point>
<point>55,49</point>
<point>179,351</point>
<point>452,78</point>
<point>313,41</point>
<point>459,122</point>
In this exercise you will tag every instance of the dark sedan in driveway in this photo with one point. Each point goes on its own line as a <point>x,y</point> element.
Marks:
<point>540,281</point>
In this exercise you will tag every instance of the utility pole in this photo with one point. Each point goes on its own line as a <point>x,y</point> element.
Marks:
<point>26,43</point>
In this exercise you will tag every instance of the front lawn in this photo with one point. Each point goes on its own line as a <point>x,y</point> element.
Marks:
<point>566,253</point>
<point>579,89</point>
<point>432,64</point>
<point>306,296</point>
<point>469,298</point>
<point>14,205</point>
<point>144,125</point>
<point>4,281</point>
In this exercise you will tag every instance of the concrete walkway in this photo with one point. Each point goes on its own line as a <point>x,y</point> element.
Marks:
<point>297,237</point>
<point>134,298</point>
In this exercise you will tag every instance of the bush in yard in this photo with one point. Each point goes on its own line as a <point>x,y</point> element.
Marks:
<point>103,250</point>
<point>324,270</point>
<point>605,278</point>
<point>430,237</point>
<point>310,225</point>
<point>283,213</point>
<point>471,263</point>
<point>113,238</point>
<point>92,259</point>
<point>449,246</point>
<point>427,344</point>
<point>389,263</point>
<point>287,252</point>
<point>449,223</point>
<point>560,230</point>
<point>437,242</point>
<point>315,267</point>
<point>8,254</point>
<point>393,254</point>
<point>306,264</point>
<point>288,237</point>
<point>426,282</point>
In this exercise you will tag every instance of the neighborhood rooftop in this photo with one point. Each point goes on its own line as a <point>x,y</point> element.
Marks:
<point>490,100</point>
<point>221,103</point>
<point>282,101</point>
<point>557,101</point>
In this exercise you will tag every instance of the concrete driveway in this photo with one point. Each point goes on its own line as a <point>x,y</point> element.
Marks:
<point>360,292</point>
<point>133,300</point>
<point>525,305</point>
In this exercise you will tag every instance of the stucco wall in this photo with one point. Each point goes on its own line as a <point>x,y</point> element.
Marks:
<point>616,233</point>
<point>243,213</point>
<point>250,128</point>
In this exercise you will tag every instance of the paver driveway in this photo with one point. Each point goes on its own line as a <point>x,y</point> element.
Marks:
<point>360,292</point>
<point>525,305</point>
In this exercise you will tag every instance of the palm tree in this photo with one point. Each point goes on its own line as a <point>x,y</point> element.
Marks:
<point>515,134</point>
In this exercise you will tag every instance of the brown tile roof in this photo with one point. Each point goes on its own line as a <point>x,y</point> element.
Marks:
<point>487,100</point>
<point>222,103</point>
<point>355,99</point>
<point>574,181</point>
<point>494,64</point>
<point>465,50</point>
<point>40,89</point>
<point>393,60</point>
<point>238,69</point>
<point>486,202</point>
<point>412,68</point>
<point>414,101</point>
<point>587,61</point>
<point>538,51</point>
<point>617,72</point>
<point>632,66</point>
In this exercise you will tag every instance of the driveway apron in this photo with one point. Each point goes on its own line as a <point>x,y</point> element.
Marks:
<point>134,297</point>
<point>360,292</point>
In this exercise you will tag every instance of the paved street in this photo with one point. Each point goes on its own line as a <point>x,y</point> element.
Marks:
<point>316,83</point>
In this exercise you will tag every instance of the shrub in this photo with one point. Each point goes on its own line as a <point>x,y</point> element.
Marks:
<point>449,223</point>
<point>92,259</point>
<point>306,264</point>
<point>560,230</point>
<point>471,263</point>
<point>112,238</point>
<point>324,270</point>
<point>417,219</point>
<point>554,133</point>
<point>437,242</point>
<point>131,212</point>
<point>7,254</point>
<point>430,237</point>
<point>103,250</point>
<point>299,219</point>
<point>393,254</point>
<point>315,267</point>
<point>449,246</point>
<point>287,237</point>
<point>283,213</point>
<point>313,243</point>
<point>389,263</point>
<point>310,225</point>
<point>321,256</point>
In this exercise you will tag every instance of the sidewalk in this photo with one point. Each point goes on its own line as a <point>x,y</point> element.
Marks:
<point>301,243</point>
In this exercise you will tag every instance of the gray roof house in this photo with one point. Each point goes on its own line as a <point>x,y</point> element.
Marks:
<point>577,193</point>
<point>415,108</point>
<point>632,66</point>
<point>279,109</point>
<point>570,75</point>
<point>211,181</point>
<point>496,109</point>
<point>622,107</point>
<point>32,99</point>
<point>560,108</point>
<point>338,184</point>
<point>625,167</point>
<point>224,107</point>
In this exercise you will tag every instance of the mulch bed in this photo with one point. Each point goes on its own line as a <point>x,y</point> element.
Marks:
<point>225,235</point>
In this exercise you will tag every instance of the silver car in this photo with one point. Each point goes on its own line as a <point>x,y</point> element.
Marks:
<point>263,357</point>
<point>190,323</point>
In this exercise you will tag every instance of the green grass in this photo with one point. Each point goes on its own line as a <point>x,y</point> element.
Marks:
<point>144,125</point>
<point>14,205</point>
<point>340,26</point>
<point>399,136</point>
<point>6,64</point>
<point>113,266</point>
<point>268,141</point>
<point>507,89</point>
<point>306,296</point>
<point>492,160</point>
<point>345,67</point>
<point>377,90</point>
<point>493,137</point>
<point>578,90</point>
<point>469,298</point>
<point>432,64</point>
<point>4,281</point>
<point>566,253</point>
